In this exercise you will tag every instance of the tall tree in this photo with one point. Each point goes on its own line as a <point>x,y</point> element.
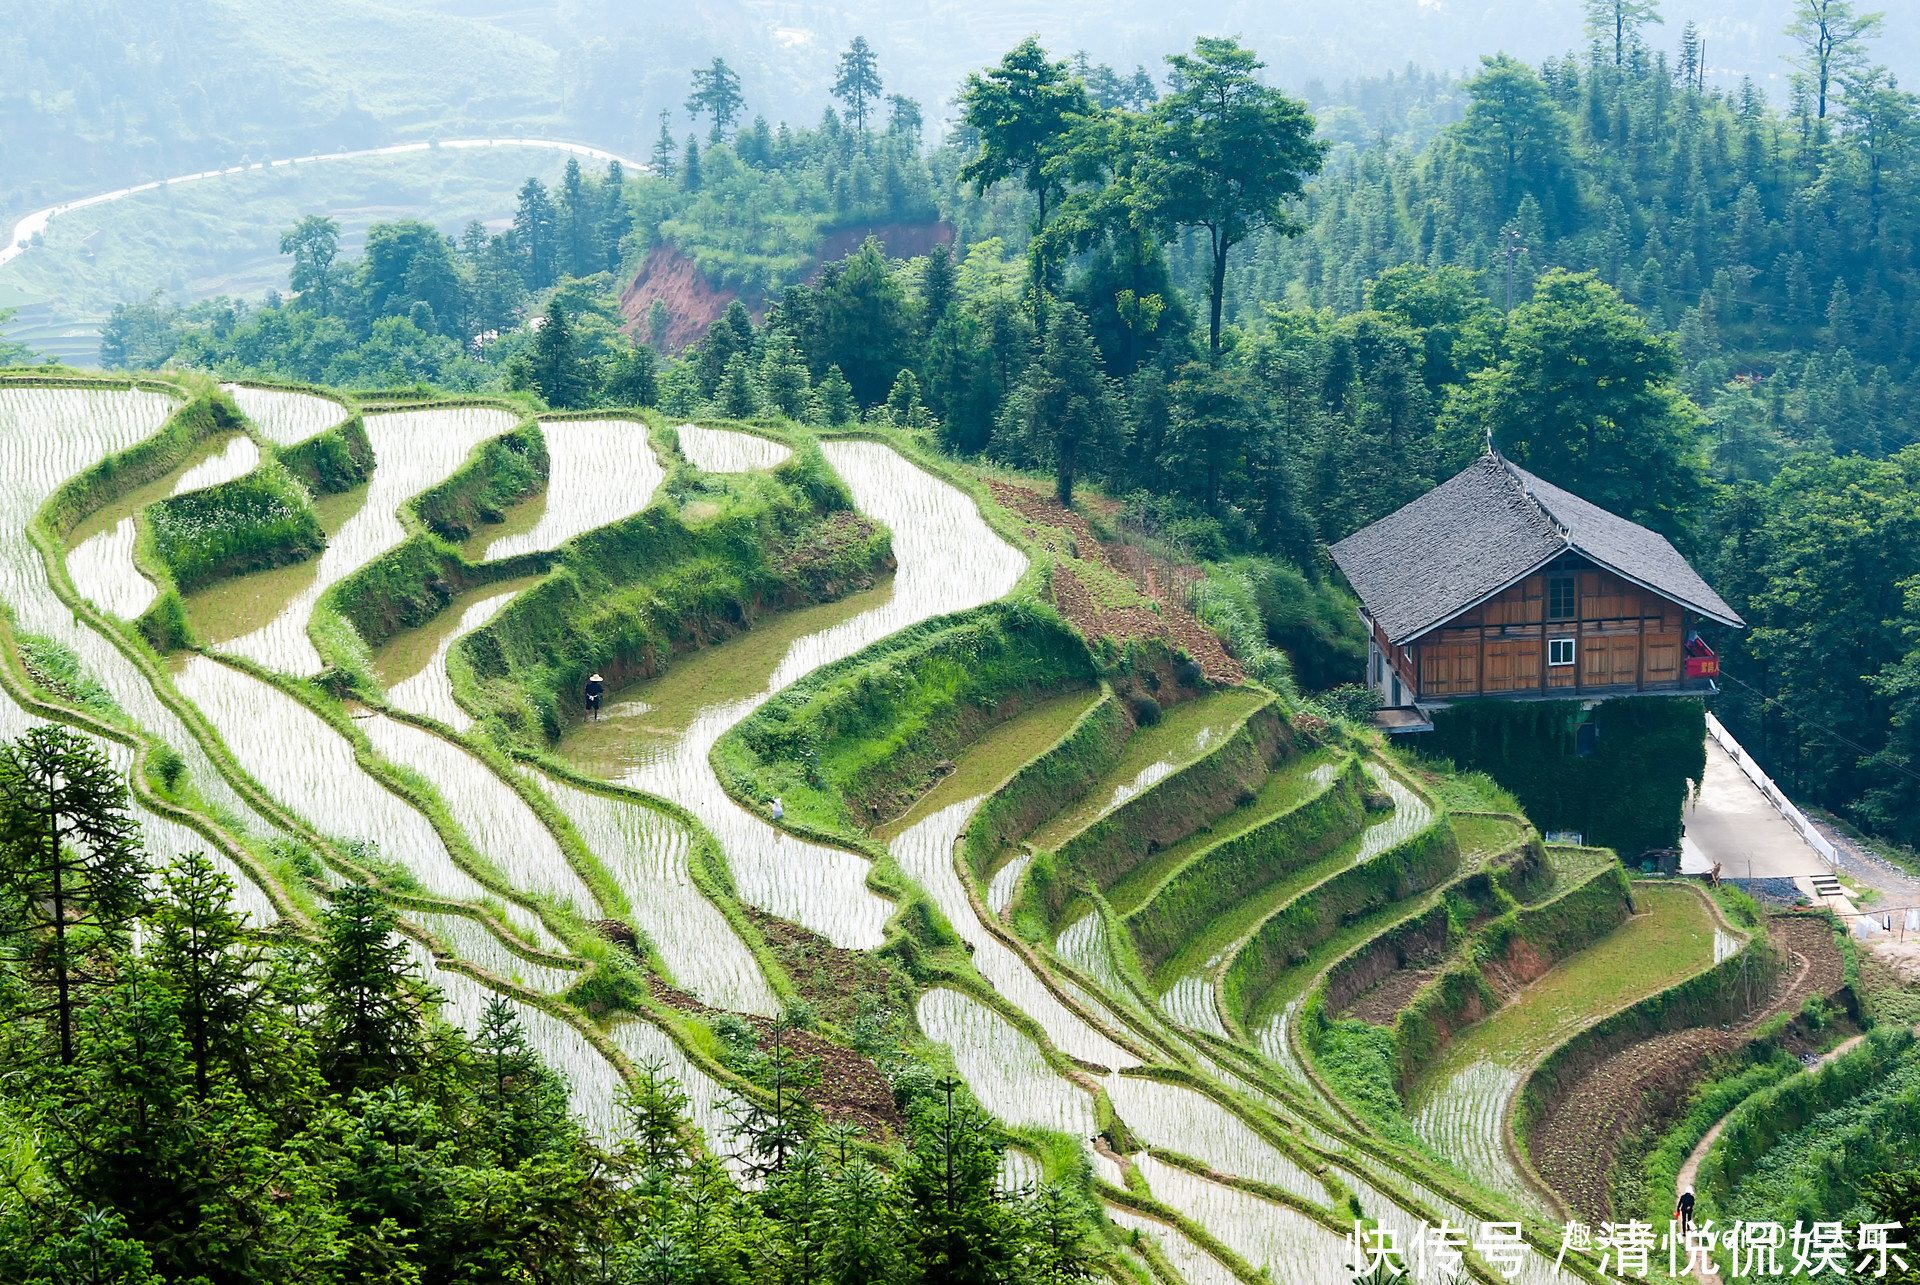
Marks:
<point>858,82</point>
<point>313,242</point>
<point>1519,136</point>
<point>665,161</point>
<point>71,865</point>
<point>1066,412</point>
<point>536,230</point>
<point>1233,152</point>
<point>1021,110</point>
<point>1585,397</point>
<point>370,1032</point>
<point>579,223</point>
<point>203,950</point>
<point>1620,21</point>
<point>716,95</point>
<point>1833,41</point>
<point>558,371</point>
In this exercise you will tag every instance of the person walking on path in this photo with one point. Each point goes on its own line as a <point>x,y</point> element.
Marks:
<point>1685,1212</point>
<point>596,687</point>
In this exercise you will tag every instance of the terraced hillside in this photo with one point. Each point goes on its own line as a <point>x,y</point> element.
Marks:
<point>1229,974</point>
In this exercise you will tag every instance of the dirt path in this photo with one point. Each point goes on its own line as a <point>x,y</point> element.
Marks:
<point>1575,1143</point>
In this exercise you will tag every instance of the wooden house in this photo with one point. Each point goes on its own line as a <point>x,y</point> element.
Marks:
<point>1498,585</point>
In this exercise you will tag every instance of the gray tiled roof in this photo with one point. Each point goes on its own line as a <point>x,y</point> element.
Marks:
<point>1486,527</point>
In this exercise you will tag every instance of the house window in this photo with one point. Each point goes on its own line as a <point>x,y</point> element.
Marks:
<point>1559,651</point>
<point>1561,602</point>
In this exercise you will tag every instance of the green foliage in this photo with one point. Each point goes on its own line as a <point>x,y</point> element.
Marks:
<point>1804,1148</point>
<point>499,471</point>
<point>1357,1061</point>
<point>337,460</point>
<point>1230,155</point>
<point>857,738</point>
<point>263,519</point>
<point>55,668</point>
<point>1585,397</point>
<point>1626,795</point>
<point>625,597</point>
<point>1646,1190</point>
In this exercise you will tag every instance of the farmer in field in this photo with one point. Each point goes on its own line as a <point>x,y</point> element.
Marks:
<point>777,809</point>
<point>596,688</point>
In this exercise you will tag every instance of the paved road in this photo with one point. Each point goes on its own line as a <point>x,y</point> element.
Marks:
<point>1732,823</point>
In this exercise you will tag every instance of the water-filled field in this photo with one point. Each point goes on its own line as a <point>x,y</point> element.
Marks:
<point>437,815</point>
<point>412,451</point>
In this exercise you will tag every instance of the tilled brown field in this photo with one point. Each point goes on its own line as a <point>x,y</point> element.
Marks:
<point>1573,1146</point>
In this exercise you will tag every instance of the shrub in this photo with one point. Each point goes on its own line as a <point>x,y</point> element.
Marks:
<point>264,519</point>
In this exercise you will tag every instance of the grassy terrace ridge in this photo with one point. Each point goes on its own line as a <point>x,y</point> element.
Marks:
<point>1206,885</point>
<point>694,566</point>
<point>1290,930</point>
<point>856,739</point>
<point>1185,733</point>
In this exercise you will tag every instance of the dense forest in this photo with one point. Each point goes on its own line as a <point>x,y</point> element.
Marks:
<point>187,1099</point>
<point>1694,306</point>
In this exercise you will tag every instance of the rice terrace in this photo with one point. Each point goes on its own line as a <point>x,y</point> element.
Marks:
<point>830,707</point>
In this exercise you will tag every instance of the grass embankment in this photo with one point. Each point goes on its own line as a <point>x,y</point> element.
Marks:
<point>1002,752</point>
<point>264,519</point>
<point>1801,1149</point>
<point>1286,827</point>
<point>335,460</point>
<point>694,567</point>
<point>859,739</point>
<point>1201,762</point>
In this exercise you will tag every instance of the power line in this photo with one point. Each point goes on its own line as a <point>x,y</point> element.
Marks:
<point>1850,743</point>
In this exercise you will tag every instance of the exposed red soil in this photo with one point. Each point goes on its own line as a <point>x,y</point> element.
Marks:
<point>1573,1147</point>
<point>675,280</point>
<point>902,241</point>
<point>1384,1000</point>
<point>1063,531</point>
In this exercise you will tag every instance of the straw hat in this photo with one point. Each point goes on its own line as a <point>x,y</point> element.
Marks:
<point>595,678</point>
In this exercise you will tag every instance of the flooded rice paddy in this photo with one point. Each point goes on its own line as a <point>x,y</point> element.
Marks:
<point>721,450</point>
<point>501,825</point>
<point>657,738</point>
<point>1460,1104</point>
<point>949,559</point>
<point>925,852</point>
<point>425,689</point>
<point>1004,1068</point>
<point>645,851</point>
<point>1280,1242</point>
<point>412,450</point>
<point>46,436</point>
<point>286,418</point>
<point>600,471</point>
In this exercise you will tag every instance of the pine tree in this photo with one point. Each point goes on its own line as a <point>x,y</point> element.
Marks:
<point>535,229</point>
<point>557,370</point>
<point>835,396</point>
<point>370,1030</point>
<point>71,868</point>
<point>211,962</point>
<point>858,82</point>
<point>665,161</point>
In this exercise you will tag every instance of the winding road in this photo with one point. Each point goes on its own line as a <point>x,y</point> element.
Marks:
<point>35,224</point>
